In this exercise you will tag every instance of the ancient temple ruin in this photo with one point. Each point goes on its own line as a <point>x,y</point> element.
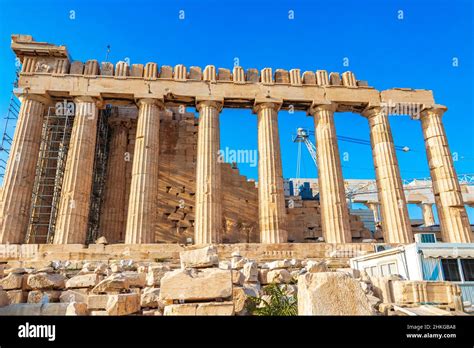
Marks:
<point>112,150</point>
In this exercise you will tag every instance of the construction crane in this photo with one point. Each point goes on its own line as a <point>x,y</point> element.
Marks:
<point>302,136</point>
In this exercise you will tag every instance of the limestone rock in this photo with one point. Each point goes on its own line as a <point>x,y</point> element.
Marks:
<point>151,298</point>
<point>262,275</point>
<point>278,276</point>
<point>155,274</point>
<point>196,285</point>
<point>240,298</point>
<point>101,240</point>
<point>374,301</point>
<point>237,277</point>
<point>354,273</point>
<point>73,296</point>
<point>97,301</point>
<point>46,281</point>
<point>382,287</point>
<point>250,272</point>
<point>77,308</point>
<point>199,258</point>
<point>316,266</point>
<point>252,289</point>
<point>295,263</point>
<point>4,299</point>
<point>38,296</point>
<point>83,281</point>
<point>211,308</point>
<point>225,265</point>
<point>17,296</point>
<point>12,281</point>
<point>48,269</point>
<point>238,263</point>
<point>366,287</point>
<point>72,308</point>
<point>101,268</point>
<point>21,309</point>
<point>89,266</point>
<point>113,283</point>
<point>152,312</point>
<point>278,264</point>
<point>215,308</point>
<point>15,270</point>
<point>56,309</point>
<point>116,268</point>
<point>123,304</point>
<point>135,279</point>
<point>331,293</point>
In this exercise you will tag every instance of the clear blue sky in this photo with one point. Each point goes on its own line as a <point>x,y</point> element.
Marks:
<point>416,51</point>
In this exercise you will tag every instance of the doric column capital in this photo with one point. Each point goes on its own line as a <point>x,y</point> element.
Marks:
<point>436,109</point>
<point>217,104</point>
<point>420,204</point>
<point>371,204</point>
<point>371,111</point>
<point>41,98</point>
<point>262,105</point>
<point>317,107</point>
<point>151,101</point>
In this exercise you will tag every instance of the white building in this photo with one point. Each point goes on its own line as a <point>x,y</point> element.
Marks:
<point>424,260</point>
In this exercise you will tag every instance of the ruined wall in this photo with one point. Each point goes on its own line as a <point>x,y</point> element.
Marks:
<point>304,221</point>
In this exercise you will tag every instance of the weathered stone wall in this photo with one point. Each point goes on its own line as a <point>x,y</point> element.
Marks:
<point>304,221</point>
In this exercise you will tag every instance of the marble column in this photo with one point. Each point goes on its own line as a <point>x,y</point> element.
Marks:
<point>271,198</point>
<point>427,211</point>
<point>455,227</point>
<point>112,221</point>
<point>374,206</point>
<point>143,199</point>
<point>20,171</point>
<point>208,206</point>
<point>396,224</point>
<point>334,211</point>
<point>74,204</point>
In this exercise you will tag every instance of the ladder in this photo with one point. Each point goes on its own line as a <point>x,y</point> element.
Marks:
<point>8,130</point>
<point>55,137</point>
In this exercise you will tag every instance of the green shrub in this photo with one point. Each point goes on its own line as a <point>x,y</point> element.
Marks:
<point>278,303</point>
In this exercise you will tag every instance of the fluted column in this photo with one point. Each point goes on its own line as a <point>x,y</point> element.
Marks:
<point>20,171</point>
<point>271,199</point>
<point>427,210</point>
<point>395,220</point>
<point>208,218</point>
<point>74,204</point>
<point>334,211</point>
<point>452,214</point>
<point>112,221</point>
<point>374,206</point>
<point>143,199</point>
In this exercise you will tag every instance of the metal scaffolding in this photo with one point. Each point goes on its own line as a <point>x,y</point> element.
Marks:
<point>8,130</point>
<point>99,175</point>
<point>55,137</point>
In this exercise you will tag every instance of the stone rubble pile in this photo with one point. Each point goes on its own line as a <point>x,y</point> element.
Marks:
<point>200,284</point>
